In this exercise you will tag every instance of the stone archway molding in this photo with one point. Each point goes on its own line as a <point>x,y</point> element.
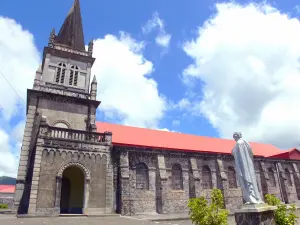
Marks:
<point>87,174</point>
<point>63,122</point>
<point>87,178</point>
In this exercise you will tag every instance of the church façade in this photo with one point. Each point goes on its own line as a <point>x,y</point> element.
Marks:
<point>70,163</point>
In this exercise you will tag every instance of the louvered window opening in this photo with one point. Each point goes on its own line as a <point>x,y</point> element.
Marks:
<point>206,178</point>
<point>142,177</point>
<point>288,177</point>
<point>177,181</point>
<point>74,76</point>
<point>60,73</point>
<point>231,178</point>
<point>271,176</point>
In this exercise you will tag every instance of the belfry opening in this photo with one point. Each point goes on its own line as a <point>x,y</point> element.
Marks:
<point>72,191</point>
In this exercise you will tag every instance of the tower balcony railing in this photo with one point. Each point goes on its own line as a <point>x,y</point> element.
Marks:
<point>65,137</point>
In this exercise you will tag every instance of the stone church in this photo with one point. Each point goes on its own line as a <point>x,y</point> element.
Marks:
<point>70,163</point>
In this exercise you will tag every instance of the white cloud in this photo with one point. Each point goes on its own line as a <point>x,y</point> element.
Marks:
<point>19,60</point>
<point>183,103</point>
<point>163,39</point>
<point>248,59</point>
<point>175,123</point>
<point>125,86</point>
<point>8,161</point>
<point>167,130</point>
<point>156,23</point>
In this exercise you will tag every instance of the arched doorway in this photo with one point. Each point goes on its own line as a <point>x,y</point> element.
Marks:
<point>72,191</point>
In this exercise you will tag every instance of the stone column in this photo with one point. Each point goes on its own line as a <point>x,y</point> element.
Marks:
<point>214,178</point>
<point>35,179</point>
<point>266,186</point>
<point>161,183</point>
<point>109,186</point>
<point>86,193</point>
<point>152,187</point>
<point>125,185</point>
<point>223,179</point>
<point>296,179</point>
<point>162,166</point>
<point>93,118</point>
<point>196,176</point>
<point>58,192</point>
<point>24,160</point>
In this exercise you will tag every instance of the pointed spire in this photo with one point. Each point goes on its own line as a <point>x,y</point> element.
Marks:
<point>91,47</point>
<point>94,80</point>
<point>51,38</point>
<point>71,32</point>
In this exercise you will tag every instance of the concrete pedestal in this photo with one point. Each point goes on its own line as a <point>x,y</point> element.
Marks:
<point>255,214</point>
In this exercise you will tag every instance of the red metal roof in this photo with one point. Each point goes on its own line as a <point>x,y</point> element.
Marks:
<point>7,188</point>
<point>133,136</point>
<point>293,153</point>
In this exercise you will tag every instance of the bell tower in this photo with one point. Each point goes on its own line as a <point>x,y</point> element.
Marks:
<point>66,63</point>
<point>60,131</point>
<point>66,71</point>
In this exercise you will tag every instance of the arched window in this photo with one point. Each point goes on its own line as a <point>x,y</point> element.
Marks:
<point>206,178</point>
<point>142,176</point>
<point>231,177</point>
<point>60,73</point>
<point>271,177</point>
<point>74,75</point>
<point>177,181</point>
<point>288,177</point>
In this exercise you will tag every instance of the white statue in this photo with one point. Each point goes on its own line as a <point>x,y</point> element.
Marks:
<point>245,172</point>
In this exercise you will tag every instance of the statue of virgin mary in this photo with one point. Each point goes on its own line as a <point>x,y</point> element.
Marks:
<point>245,172</point>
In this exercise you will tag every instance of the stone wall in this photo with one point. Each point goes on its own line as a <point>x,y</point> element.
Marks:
<point>163,198</point>
<point>7,198</point>
<point>175,200</point>
<point>143,200</point>
<point>71,113</point>
<point>51,164</point>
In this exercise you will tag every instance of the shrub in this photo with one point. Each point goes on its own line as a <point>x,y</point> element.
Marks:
<point>203,213</point>
<point>3,206</point>
<point>283,215</point>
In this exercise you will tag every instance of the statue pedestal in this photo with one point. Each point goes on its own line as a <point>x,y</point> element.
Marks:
<point>255,214</point>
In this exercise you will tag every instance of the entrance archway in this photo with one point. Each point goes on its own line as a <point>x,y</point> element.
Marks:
<point>72,191</point>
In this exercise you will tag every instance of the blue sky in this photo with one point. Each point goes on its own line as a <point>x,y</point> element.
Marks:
<point>228,66</point>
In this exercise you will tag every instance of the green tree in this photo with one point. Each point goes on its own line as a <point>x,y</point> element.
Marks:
<point>283,215</point>
<point>203,213</point>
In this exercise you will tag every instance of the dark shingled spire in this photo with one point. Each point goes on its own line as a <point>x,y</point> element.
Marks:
<point>94,80</point>
<point>71,32</point>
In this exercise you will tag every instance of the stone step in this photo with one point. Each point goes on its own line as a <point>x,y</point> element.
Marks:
<point>104,215</point>
<point>90,215</point>
<point>72,215</point>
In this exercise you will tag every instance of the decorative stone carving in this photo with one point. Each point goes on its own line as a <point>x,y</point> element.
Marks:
<point>59,91</point>
<point>58,47</point>
<point>63,122</point>
<point>79,165</point>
